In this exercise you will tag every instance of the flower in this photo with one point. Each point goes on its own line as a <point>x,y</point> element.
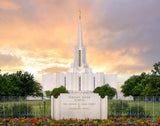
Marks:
<point>4,120</point>
<point>94,122</point>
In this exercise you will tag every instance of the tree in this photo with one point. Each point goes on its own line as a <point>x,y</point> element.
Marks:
<point>105,90</point>
<point>19,84</point>
<point>134,85</point>
<point>153,85</point>
<point>9,85</point>
<point>13,88</point>
<point>57,91</point>
<point>156,69</point>
<point>3,85</point>
<point>144,84</point>
<point>29,86</point>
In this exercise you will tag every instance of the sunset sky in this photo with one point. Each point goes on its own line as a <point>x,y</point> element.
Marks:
<point>121,36</point>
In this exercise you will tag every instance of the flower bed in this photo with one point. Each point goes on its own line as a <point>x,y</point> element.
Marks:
<point>87,122</point>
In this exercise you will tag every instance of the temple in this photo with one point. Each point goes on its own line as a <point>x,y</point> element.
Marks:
<point>79,76</point>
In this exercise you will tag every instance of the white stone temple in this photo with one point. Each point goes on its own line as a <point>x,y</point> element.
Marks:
<point>80,76</point>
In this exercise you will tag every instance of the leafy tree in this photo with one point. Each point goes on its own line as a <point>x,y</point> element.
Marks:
<point>28,86</point>
<point>134,85</point>
<point>56,91</point>
<point>144,84</point>
<point>3,85</point>
<point>19,84</point>
<point>156,69</point>
<point>13,88</point>
<point>9,85</point>
<point>105,90</point>
<point>129,85</point>
<point>153,85</point>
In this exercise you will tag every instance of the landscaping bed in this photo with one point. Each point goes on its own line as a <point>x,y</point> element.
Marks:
<point>87,122</point>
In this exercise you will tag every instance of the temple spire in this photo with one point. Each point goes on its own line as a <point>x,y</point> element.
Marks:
<point>79,14</point>
<point>79,41</point>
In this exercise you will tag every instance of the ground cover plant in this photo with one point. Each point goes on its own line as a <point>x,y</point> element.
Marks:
<point>87,122</point>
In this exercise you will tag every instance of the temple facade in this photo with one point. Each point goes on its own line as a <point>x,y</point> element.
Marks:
<point>79,76</point>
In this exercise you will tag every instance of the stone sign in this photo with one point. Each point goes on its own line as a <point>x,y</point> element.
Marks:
<point>79,106</point>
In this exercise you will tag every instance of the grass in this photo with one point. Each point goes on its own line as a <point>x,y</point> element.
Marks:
<point>116,108</point>
<point>26,108</point>
<point>134,108</point>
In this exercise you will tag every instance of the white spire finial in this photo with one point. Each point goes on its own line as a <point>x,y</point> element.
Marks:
<point>79,14</point>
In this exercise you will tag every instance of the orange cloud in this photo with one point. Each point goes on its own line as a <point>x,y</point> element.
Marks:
<point>10,60</point>
<point>53,70</point>
<point>43,34</point>
<point>9,5</point>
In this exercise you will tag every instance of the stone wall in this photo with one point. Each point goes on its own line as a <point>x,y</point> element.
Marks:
<point>79,106</point>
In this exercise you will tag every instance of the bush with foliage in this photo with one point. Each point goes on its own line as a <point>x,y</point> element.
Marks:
<point>57,91</point>
<point>105,90</point>
<point>48,93</point>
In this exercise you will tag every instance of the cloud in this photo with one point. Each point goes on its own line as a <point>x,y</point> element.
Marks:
<point>118,34</point>
<point>9,5</point>
<point>54,69</point>
<point>132,26</point>
<point>127,24</point>
<point>130,69</point>
<point>10,60</point>
<point>10,63</point>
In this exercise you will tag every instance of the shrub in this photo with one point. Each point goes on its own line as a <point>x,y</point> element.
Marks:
<point>48,93</point>
<point>105,90</point>
<point>56,91</point>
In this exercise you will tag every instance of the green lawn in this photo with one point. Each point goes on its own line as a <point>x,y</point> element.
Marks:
<point>26,109</point>
<point>138,109</point>
<point>116,108</point>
